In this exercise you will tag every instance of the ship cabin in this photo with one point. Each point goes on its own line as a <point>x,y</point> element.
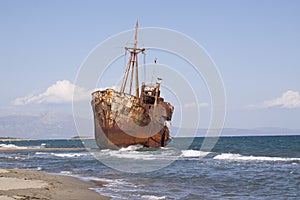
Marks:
<point>150,94</point>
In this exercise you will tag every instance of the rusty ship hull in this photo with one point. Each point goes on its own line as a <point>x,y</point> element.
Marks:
<point>120,120</point>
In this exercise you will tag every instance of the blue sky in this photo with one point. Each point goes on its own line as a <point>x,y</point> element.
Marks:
<point>255,45</point>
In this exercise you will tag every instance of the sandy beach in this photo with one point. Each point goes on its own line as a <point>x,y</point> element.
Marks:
<point>29,184</point>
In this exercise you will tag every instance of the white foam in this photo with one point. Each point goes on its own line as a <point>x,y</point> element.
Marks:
<point>62,155</point>
<point>129,152</point>
<point>152,197</point>
<point>66,172</point>
<point>106,180</point>
<point>193,153</point>
<point>43,145</point>
<point>164,148</point>
<point>132,148</point>
<point>41,153</point>
<point>231,156</point>
<point>120,189</point>
<point>143,155</point>
<point>133,155</point>
<point>105,150</point>
<point>11,146</point>
<point>16,158</point>
<point>68,155</point>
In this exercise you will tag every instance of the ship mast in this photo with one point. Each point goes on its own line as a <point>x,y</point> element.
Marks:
<point>133,65</point>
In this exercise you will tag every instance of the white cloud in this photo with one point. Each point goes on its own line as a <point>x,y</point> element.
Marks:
<point>195,105</point>
<point>289,99</point>
<point>60,92</point>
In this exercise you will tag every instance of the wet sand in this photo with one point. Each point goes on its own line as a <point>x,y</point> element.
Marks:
<point>30,184</point>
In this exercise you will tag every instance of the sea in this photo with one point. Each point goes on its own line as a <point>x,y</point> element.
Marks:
<point>264,167</point>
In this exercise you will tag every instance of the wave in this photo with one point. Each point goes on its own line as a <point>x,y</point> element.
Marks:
<point>114,188</point>
<point>69,173</point>
<point>68,155</point>
<point>132,152</point>
<point>63,155</point>
<point>11,146</point>
<point>16,157</point>
<point>231,156</point>
<point>193,153</point>
<point>165,154</point>
<point>41,153</point>
<point>152,197</point>
<point>136,152</point>
<point>133,155</point>
<point>132,148</point>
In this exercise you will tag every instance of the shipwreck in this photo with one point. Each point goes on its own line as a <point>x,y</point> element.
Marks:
<point>135,117</point>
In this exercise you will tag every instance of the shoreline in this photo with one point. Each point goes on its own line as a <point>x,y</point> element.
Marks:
<point>7,139</point>
<point>42,149</point>
<point>32,184</point>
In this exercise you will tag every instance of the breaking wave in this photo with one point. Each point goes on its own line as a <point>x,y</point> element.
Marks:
<point>68,155</point>
<point>11,146</point>
<point>231,156</point>
<point>63,155</point>
<point>137,152</point>
<point>152,197</point>
<point>193,153</point>
<point>132,148</point>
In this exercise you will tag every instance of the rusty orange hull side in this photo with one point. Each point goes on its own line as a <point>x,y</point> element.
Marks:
<point>120,122</point>
<point>114,138</point>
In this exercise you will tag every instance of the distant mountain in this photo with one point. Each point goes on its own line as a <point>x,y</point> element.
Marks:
<point>42,126</point>
<point>262,131</point>
<point>277,130</point>
<point>57,125</point>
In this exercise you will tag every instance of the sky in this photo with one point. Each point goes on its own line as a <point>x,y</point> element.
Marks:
<point>254,44</point>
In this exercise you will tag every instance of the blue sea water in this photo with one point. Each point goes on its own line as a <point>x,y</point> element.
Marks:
<point>266,167</point>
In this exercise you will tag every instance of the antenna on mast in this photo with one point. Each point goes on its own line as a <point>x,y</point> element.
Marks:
<point>155,61</point>
<point>135,35</point>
